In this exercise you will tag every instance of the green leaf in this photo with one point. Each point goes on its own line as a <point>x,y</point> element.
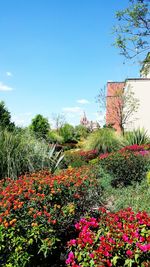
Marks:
<point>115,259</point>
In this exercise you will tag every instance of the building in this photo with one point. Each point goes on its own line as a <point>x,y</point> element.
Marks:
<point>92,126</point>
<point>141,89</point>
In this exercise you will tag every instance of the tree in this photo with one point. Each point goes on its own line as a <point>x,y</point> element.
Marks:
<point>121,107</point>
<point>59,120</point>
<point>67,132</point>
<point>133,30</point>
<point>40,126</point>
<point>81,132</point>
<point>5,118</point>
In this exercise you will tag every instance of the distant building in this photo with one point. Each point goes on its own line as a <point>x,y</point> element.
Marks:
<point>141,89</point>
<point>92,126</point>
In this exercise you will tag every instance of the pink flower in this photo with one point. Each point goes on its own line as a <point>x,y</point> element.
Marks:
<point>72,242</point>
<point>125,238</point>
<point>129,252</point>
<point>145,247</point>
<point>92,255</point>
<point>70,258</point>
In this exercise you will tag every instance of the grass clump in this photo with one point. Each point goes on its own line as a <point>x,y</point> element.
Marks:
<point>21,152</point>
<point>103,140</point>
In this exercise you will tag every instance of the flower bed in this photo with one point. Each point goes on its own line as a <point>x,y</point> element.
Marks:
<point>37,212</point>
<point>111,239</point>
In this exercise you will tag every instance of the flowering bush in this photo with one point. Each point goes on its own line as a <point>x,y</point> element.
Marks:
<point>133,148</point>
<point>37,212</point>
<point>126,165</point>
<point>111,239</point>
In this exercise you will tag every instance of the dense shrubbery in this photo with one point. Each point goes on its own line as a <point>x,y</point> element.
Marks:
<point>37,213</point>
<point>127,165</point>
<point>111,239</point>
<point>77,158</point>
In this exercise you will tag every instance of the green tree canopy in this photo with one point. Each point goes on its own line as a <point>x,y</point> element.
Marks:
<point>5,118</point>
<point>81,131</point>
<point>67,132</point>
<point>40,126</point>
<point>133,28</point>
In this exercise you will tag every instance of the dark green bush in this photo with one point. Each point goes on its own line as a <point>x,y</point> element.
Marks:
<point>125,166</point>
<point>78,158</point>
<point>73,159</point>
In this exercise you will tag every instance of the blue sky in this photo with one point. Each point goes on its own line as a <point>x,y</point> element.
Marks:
<point>55,55</point>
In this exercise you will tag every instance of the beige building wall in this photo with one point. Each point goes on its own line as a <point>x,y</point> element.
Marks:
<point>141,89</point>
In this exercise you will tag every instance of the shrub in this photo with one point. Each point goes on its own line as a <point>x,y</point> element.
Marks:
<point>78,158</point>
<point>111,239</point>
<point>125,165</point>
<point>21,152</point>
<point>104,140</point>
<point>67,132</point>
<point>54,137</point>
<point>38,211</point>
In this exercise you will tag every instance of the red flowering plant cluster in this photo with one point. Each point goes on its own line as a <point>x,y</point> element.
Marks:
<point>111,239</point>
<point>38,210</point>
<point>128,164</point>
<point>79,157</point>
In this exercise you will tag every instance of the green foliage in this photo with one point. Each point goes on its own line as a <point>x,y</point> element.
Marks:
<point>73,158</point>
<point>133,28</point>
<point>148,177</point>
<point>138,136</point>
<point>81,132</point>
<point>103,140</point>
<point>21,152</point>
<point>54,137</point>
<point>77,158</point>
<point>136,196</point>
<point>5,118</point>
<point>40,126</point>
<point>67,132</point>
<point>125,166</point>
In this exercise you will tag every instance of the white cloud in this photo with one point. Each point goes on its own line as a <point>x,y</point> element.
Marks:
<point>4,87</point>
<point>99,117</point>
<point>22,119</point>
<point>9,74</point>
<point>83,101</point>
<point>72,110</point>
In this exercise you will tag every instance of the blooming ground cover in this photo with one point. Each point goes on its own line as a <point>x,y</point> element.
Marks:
<point>38,212</point>
<point>38,209</point>
<point>111,239</point>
